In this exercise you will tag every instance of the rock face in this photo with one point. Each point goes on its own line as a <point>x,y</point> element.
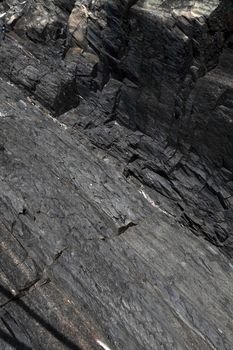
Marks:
<point>174,63</point>
<point>116,175</point>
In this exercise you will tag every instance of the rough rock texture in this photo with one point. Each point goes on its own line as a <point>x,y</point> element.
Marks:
<point>116,175</point>
<point>169,77</point>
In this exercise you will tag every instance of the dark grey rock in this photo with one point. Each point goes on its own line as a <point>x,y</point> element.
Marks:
<point>116,175</point>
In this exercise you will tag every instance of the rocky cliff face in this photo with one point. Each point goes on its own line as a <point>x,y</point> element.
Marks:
<point>169,66</point>
<point>115,154</point>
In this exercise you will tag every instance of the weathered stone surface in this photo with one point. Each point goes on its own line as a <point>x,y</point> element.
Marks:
<point>172,62</point>
<point>115,147</point>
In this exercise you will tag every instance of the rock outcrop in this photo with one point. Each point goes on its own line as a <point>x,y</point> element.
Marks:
<point>116,174</point>
<point>174,63</point>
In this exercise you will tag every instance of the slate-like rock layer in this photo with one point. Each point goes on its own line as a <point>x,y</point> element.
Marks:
<point>116,175</point>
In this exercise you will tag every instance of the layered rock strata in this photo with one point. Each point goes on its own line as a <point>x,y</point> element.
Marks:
<point>116,175</point>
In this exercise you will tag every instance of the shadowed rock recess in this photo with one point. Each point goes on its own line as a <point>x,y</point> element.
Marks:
<point>116,175</point>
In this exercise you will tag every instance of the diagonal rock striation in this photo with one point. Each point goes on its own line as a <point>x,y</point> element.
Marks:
<point>116,175</point>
